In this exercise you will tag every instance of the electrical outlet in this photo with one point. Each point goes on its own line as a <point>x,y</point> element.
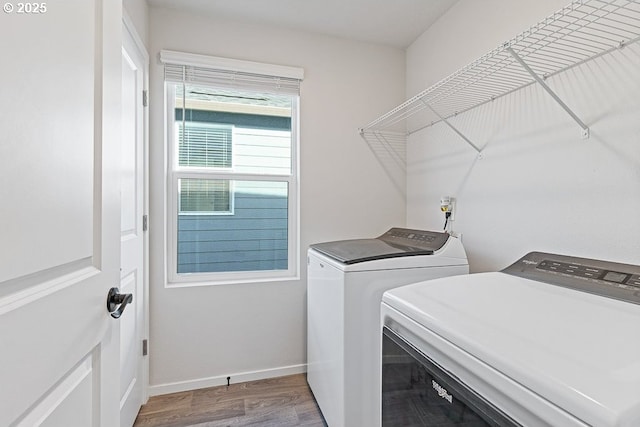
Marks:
<point>447,205</point>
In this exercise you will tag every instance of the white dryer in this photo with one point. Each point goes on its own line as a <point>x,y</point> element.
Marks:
<point>549,341</point>
<point>346,280</point>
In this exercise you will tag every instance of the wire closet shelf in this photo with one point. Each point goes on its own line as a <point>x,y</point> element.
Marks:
<point>579,32</point>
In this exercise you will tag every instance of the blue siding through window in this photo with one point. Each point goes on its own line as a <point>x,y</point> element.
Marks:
<point>254,238</point>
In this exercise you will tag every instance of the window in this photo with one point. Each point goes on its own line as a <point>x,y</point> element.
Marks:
<point>203,145</point>
<point>204,197</point>
<point>232,143</point>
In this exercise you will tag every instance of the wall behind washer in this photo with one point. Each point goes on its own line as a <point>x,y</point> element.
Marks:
<point>539,186</point>
<point>200,335</point>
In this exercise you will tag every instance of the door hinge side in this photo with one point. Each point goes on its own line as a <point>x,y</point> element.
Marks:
<point>145,222</point>
<point>145,347</point>
<point>145,98</point>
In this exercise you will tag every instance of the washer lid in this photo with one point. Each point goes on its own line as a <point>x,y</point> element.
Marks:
<point>577,350</point>
<point>397,242</point>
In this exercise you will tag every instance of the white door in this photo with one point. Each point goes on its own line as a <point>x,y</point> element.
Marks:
<point>132,236</point>
<point>59,212</point>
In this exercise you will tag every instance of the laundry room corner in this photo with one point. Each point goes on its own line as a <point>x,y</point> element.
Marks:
<point>536,181</point>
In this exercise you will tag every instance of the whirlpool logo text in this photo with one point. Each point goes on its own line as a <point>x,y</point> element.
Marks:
<point>442,392</point>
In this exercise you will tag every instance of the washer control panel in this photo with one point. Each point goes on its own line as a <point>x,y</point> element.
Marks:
<point>432,240</point>
<point>604,278</point>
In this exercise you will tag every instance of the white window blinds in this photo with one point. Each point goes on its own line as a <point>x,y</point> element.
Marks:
<point>205,196</point>
<point>204,145</point>
<point>223,72</point>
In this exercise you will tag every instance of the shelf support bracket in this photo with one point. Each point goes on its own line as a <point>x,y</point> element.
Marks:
<point>565,107</point>
<point>467,140</point>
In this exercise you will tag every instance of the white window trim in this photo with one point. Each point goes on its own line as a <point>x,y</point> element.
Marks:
<point>228,64</point>
<point>206,279</point>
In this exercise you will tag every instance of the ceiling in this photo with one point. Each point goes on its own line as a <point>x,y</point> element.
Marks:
<point>395,23</point>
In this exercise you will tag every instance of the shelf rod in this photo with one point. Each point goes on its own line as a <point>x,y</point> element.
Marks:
<point>565,107</point>
<point>467,140</point>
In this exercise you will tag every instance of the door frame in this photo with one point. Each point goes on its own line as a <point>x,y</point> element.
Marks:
<point>129,29</point>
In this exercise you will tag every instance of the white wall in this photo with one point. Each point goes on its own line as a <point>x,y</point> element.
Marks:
<point>539,186</point>
<point>200,335</point>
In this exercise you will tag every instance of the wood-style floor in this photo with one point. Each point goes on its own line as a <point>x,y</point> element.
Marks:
<point>282,402</point>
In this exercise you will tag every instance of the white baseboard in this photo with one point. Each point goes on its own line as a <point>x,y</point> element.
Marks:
<point>175,387</point>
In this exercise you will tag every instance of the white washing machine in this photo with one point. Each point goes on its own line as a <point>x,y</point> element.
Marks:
<point>549,341</point>
<point>346,280</point>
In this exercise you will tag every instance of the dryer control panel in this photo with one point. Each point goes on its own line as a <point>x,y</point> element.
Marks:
<point>604,278</point>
